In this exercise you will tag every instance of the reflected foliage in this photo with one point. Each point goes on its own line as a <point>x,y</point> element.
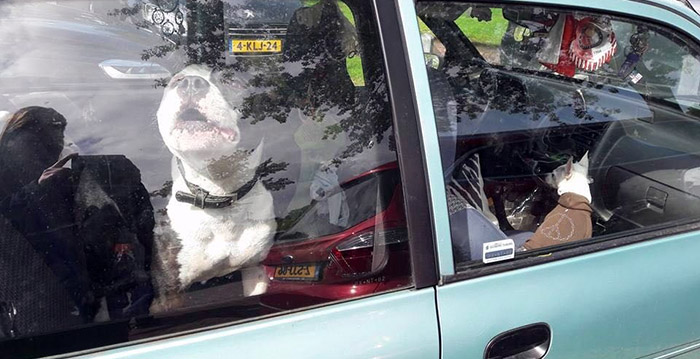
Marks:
<point>310,75</point>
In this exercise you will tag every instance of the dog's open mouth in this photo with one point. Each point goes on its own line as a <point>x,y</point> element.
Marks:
<point>194,122</point>
<point>192,115</point>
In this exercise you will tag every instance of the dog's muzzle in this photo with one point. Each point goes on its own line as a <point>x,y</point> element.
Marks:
<point>192,87</point>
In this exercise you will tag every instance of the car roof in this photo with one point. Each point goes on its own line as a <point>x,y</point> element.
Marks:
<point>689,7</point>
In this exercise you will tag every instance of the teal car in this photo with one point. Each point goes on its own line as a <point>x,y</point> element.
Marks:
<point>349,179</point>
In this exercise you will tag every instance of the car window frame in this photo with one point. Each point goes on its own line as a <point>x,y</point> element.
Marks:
<point>405,124</point>
<point>412,156</point>
<point>675,20</point>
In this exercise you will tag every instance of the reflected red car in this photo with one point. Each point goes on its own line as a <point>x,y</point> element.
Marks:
<point>316,262</point>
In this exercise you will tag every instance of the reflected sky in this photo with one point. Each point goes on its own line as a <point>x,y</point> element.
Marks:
<point>51,56</point>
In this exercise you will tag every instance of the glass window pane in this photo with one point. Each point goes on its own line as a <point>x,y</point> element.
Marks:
<point>188,163</point>
<point>557,126</point>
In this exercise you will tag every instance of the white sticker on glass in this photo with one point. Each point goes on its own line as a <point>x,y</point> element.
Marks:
<point>689,83</point>
<point>498,251</point>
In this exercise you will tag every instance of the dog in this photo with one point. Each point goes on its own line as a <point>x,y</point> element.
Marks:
<point>220,216</point>
<point>570,220</point>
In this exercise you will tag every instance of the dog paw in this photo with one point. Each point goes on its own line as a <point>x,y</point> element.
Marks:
<point>166,302</point>
<point>158,306</point>
<point>257,289</point>
<point>254,281</point>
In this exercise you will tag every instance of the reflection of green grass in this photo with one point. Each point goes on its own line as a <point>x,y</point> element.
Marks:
<point>484,32</point>
<point>423,27</point>
<point>354,66</point>
<point>347,12</point>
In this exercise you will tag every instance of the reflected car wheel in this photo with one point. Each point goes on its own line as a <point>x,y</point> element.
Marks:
<point>179,17</point>
<point>168,28</point>
<point>158,17</point>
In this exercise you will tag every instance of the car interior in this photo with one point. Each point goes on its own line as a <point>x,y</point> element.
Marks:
<point>523,123</point>
<point>505,123</point>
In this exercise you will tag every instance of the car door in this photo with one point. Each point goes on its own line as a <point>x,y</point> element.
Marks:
<point>240,187</point>
<point>526,97</point>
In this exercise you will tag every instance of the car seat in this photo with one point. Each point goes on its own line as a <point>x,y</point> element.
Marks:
<point>471,222</point>
<point>445,110</point>
<point>33,300</point>
<point>317,37</point>
<point>320,92</point>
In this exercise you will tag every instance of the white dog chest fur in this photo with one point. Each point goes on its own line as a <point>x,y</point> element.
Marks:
<point>220,241</point>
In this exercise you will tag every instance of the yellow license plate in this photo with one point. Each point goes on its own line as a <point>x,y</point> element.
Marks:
<point>296,272</point>
<point>256,46</point>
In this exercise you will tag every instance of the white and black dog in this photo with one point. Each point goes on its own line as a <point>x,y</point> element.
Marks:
<point>220,217</point>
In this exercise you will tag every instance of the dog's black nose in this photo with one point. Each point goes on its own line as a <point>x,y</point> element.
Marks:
<point>193,86</point>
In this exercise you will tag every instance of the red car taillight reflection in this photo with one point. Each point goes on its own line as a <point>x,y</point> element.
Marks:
<point>356,257</point>
<point>368,256</point>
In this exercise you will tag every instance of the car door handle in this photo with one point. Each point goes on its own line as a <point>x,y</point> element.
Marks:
<point>527,342</point>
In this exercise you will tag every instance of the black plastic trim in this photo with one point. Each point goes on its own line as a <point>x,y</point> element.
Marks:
<point>409,145</point>
<point>498,337</point>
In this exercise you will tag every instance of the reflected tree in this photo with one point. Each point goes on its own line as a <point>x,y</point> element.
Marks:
<point>309,76</point>
<point>307,85</point>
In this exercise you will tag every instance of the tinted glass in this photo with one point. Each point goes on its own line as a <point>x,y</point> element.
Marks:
<point>559,128</point>
<point>168,165</point>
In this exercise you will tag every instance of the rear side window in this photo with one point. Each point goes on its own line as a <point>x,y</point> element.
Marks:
<point>171,165</point>
<point>561,128</point>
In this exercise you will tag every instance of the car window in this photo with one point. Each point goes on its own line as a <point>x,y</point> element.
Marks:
<point>560,128</point>
<point>183,163</point>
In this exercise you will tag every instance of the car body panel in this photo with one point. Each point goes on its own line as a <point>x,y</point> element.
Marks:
<point>622,303</point>
<point>683,351</point>
<point>666,13</point>
<point>427,119</point>
<point>431,149</point>
<point>366,328</point>
<point>627,302</point>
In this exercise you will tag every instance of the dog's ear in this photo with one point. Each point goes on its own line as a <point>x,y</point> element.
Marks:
<point>584,160</point>
<point>568,170</point>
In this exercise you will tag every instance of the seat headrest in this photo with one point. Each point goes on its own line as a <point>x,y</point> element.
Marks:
<point>320,32</point>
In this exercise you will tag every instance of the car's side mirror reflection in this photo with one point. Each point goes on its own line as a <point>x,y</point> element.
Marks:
<point>133,70</point>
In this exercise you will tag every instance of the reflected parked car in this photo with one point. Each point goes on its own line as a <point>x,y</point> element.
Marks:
<point>314,262</point>
<point>377,167</point>
<point>169,16</point>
